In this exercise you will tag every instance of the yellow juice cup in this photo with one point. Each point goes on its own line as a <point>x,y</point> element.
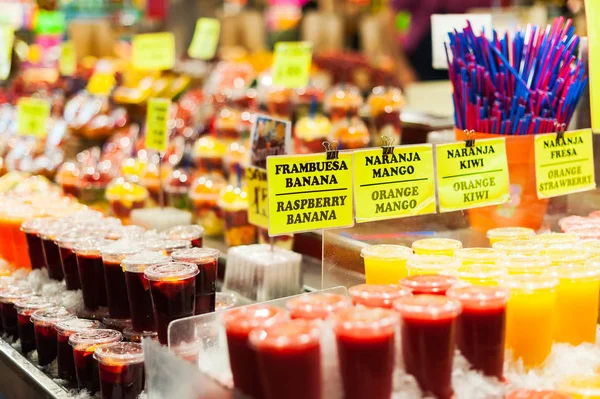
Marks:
<point>566,255</point>
<point>385,264</point>
<point>519,247</point>
<point>432,264</point>
<point>478,255</point>
<point>592,247</point>
<point>524,264</point>
<point>436,246</point>
<point>552,239</point>
<point>580,386</point>
<point>481,274</point>
<point>508,234</point>
<point>576,303</point>
<point>530,317</point>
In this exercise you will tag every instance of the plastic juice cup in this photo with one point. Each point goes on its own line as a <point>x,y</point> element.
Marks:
<point>91,272</point>
<point>225,301</point>
<point>207,260</point>
<point>84,344</point>
<point>48,234</point>
<point>16,219</point>
<point>66,242</point>
<point>204,194</point>
<point>580,386</point>
<point>481,325</point>
<point>25,307</point>
<point>121,370</point>
<point>536,394</point>
<point>124,197</point>
<point>469,256</point>
<point>481,274</point>
<point>34,242</point>
<point>523,264</point>
<point>7,247</point>
<point>377,296</point>
<point>289,359</point>
<point>316,306</point>
<point>509,234</point>
<point>175,245</point>
<point>530,317</point>
<point>138,288</point>
<point>239,323</point>
<point>566,255</point>
<point>430,284</point>
<point>428,324</point>
<point>519,247</point>
<point>44,322</point>
<point>366,346</point>
<point>173,288</point>
<point>130,335</point>
<point>64,329</point>
<point>432,264</point>
<point>385,264</point>
<point>436,246</point>
<point>233,204</point>
<point>192,233</point>
<point>8,296</point>
<point>551,239</point>
<point>116,287</point>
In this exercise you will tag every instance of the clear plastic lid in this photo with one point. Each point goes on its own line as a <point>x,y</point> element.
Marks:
<point>428,283</point>
<point>171,271</point>
<point>428,307</point>
<point>90,339</point>
<point>131,231</point>
<point>243,320</point>
<point>566,254</point>
<point>190,232</point>
<point>288,334</point>
<point>51,316</point>
<point>140,261</point>
<point>30,304</point>
<point>507,233</point>
<point>225,300</point>
<point>50,229</point>
<point>386,252</point>
<point>12,293</point>
<point>529,282</point>
<point>377,296</point>
<point>72,326</point>
<point>90,246</point>
<point>585,232</point>
<point>175,245</point>
<point>196,255</point>
<point>478,297</point>
<point>550,239</point>
<point>34,225</point>
<point>586,272</point>
<point>436,245</point>
<point>480,271</point>
<point>519,247</point>
<point>521,264</point>
<point>363,322</point>
<point>478,255</point>
<point>155,244</point>
<point>121,249</point>
<point>68,238</point>
<point>316,306</point>
<point>432,264</point>
<point>120,353</point>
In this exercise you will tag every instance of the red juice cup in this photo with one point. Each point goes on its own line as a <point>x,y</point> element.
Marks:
<point>130,335</point>
<point>121,370</point>
<point>44,321</point>
<point>242,357</point>
<point>91,272</point>
<point>480,327</point>
<point>377,296</point>
<point>84,344</point>
<point>138,288</point>
<point>366,351</point>
<point>8,296</point>
<point>316,306</point>
<point>192,233</point>
<point>175,245</point>
<point>289,359</point>
<point>427,332</point>
<point>34,242</point>
<point>172,287</point>
<point>25,307</point>
<point>206,281</point>
<point>428,284</point>
<point>66,242</point>
<point>116,287</point>
<point>64,329</point>
<point>48,234</point>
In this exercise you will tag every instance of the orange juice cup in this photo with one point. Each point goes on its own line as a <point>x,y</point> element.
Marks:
<point>432,264</point>
<point>385,264</point>
<point>509,234</point>
<point>481,274</point>
<point>523,264</point>
<point>436,246</point>
<point>16,219</point>
<point>478,255</point>
<point>519,247</point>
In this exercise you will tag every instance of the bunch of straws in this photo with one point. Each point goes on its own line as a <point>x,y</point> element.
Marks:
<point>529,86</point>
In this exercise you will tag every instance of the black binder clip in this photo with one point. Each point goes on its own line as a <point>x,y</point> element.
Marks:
<point>560,132</point>
<point>470,141</point>
<point>388,145</point>
<point>331,149</point>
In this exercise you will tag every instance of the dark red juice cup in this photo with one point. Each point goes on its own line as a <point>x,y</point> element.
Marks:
<point>175,245</point>
<point>91,272</point>
<point>66,243</point>
<point>289,359</point>
<point>64,351</point>
<point>316,306</point>
<point>130,335</point>
<point>138,288</point>
<point>8,296</point>
<point>44,322</point>
<point>25,307</point>
<point>84,344</point>
<point>116,287</point>
<point>192,233</point>
<point>481,326</point>
<point>34,242</point>
<point>242,357</point>
<point>121,370</point>
<point>366,351</point>
<point>427,333</point>
<point>48,234</point>
<point>172,287</point>
<point>377,296</point>
<point>428,284</point>
<point>206,281</point>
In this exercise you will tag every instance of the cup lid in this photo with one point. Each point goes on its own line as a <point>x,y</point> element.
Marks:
<point>71,326</point>
<point>587,271</point>
<point>549,239</point>
<point>174,245</point>
<point>519,247</point>
<point>34,225</point>
<point>479,255</point>
<point>481,271</point>
<point>195,255</point>
<point>363,321</point>
<point>51,315</point>
<point>170,271</point>
<point>68,238</point>
<point>123,247</point>
<point>529,282</point>
<point>435,263</point>
<point>428,307</point>
<point>187,232</point>
<point>317,305</point>
<point>430,283</point>
<point>377,296</point>
<point>90,246</point>
<point>155,244</point>
<point>480,297</point>
<point>94,337</point>
<point>140,261</point>
<point>50,229</point>
<point>131,231</point>
<point>525,263</point>
<point>436,244</point>
<point>120,353</point>
<point>296,334</point>
<point>386,251</point>
<point>510,232</point>
<point>245,319</point>
<point>566,254</point>
<point>12,293</point>
<point>31,303</point>
<point>591,246</point>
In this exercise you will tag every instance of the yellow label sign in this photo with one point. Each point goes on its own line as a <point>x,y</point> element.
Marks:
<point>394,185</point>
<point>291,64</point>
<point>67,63</point>
<point>33,114</point>
<point>470,177</point>
<point>309,192</point>
<point>157,118</point>
<point>101,83</point>
<point>566,165</point>
<point>206,38</point>
<point>258,207</point>
<point>6,43</point>
<point>153,51</point>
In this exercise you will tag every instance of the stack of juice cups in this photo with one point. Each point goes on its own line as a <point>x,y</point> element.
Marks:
<point>192,233</point>
<point>470,256</point>
<point>432,264</point>
<point>91,273</point>
<point>316,306</point>
<point>385,264</point>
<point>436,246</point>
<point>530,316</point>
<point>44,322</point>
<point>519,247</point>
<point>377,296</point>
<point>428,284</point>
<point>8,296</point>
<point>509,234</point>
<point>64,329</point>
<point>427,332</point>
<point>35,249</point>
<point>25,307</point>
<point>481,274</point>
<point>525,264</point>
<point>207,260</point>
<point>121,369</point>
<point>84,344</point>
